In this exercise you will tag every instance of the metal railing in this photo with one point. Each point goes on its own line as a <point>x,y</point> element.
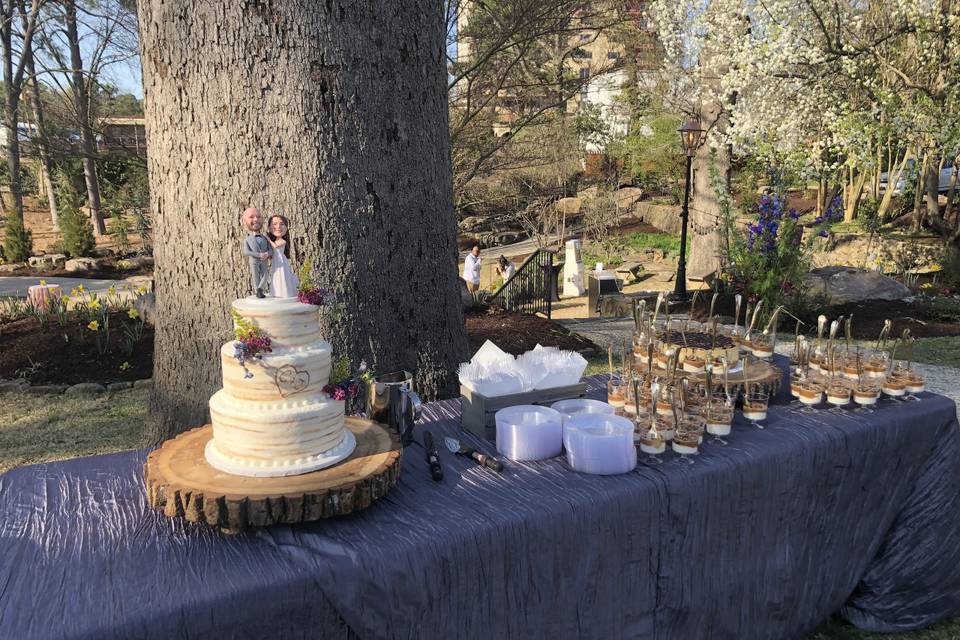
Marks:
<point>531,288</point>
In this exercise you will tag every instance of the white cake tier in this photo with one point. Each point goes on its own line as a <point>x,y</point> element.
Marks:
<point>288,322</point>
<point>275,438</point>
<point>296,373</point>
<point>245,467</point>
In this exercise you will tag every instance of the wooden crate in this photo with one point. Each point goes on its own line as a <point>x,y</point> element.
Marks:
<point>477,411</point>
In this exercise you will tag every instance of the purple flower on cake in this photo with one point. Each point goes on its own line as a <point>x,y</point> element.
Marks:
<point>316,296</point>
<point>251,342</point>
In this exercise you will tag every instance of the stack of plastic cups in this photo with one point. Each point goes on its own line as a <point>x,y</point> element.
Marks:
<point>600,444</point>
<point>529,432</point>
<point>577,406</point>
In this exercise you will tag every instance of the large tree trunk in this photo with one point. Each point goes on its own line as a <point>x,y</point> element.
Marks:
<point>43,149</point>
<point>82,108</point>
<point>11,116</point>
<point>334,114</point>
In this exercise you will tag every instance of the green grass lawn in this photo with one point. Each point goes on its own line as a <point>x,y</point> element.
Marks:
<point>634,242</point>
<point>45,428</point>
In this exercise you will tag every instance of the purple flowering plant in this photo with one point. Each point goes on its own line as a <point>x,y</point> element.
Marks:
<point>345,384</point>
<point>769,257</point>
<point>251,342</point>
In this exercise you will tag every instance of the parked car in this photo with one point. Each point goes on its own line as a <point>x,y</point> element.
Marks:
<point>946,174</point>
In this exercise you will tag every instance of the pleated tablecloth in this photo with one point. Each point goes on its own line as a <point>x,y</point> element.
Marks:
<point>762,538</point>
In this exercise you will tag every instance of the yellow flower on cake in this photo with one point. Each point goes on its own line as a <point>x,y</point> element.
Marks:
<point>94,325</point>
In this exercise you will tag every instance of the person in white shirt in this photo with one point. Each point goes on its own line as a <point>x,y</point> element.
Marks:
<point>471,268</point>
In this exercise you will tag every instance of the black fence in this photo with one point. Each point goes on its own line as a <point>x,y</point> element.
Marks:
<point>531,288</point>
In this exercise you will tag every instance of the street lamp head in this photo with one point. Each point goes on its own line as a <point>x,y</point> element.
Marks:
<point>691,135</point>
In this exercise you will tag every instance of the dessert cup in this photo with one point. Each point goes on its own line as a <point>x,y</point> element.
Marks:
<point>810,394</point>
<point>755,407</point>
<point>693,364</point>
<point>865,395</point>
<point>838,395</point>
<point>718,417</point>
<point>894,387</point>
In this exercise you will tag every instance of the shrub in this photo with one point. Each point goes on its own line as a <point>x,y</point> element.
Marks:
<point>769,259</point>
<point>76,232</point>
<point>119,230</point>
<point>17,240</point>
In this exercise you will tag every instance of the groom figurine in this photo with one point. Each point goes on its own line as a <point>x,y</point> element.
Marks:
<point>257,249</point>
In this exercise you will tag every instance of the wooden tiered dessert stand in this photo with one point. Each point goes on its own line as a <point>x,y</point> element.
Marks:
<point>181,482</point>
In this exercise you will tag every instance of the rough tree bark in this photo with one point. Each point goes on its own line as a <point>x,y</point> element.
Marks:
<point>41,141</point>
<point>333,113</point>
<point>82,107</point>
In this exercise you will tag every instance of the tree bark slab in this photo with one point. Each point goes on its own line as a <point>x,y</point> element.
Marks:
<point>181,483</point>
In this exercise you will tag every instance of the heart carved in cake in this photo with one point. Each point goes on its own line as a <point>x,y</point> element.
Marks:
<point>291,380</point>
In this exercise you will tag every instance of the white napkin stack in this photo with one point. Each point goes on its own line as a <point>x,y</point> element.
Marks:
<point>493,372</point>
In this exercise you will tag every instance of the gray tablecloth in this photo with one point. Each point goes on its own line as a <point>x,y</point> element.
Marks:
<point>763,538</point>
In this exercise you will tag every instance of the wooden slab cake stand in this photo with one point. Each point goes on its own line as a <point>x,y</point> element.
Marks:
<point>181,482</point>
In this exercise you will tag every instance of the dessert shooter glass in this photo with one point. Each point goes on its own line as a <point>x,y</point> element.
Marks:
<point>810,394</point>
<point>718,416</point>
<point>650,440</point>
<point>616,394</point>
<point>755,403</point>
<point>762,346</point>
<point>686,438</point>
<point>865,394</point>
<point>838,394</point>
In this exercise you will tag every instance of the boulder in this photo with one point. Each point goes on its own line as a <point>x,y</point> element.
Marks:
<point>46,389</point>
<point>81,264</point>
<point>136,262</point>
<point>145,383</point>
<point>146,306</point>
<point>57,259</point>
<point>569,205</point>
<point>13,267</point>
<point>103,252</point>
<point>663,217</point>
<point>846,284</point>
<point>119,386</point>
<point>85,389</point>
<point>40,262</point>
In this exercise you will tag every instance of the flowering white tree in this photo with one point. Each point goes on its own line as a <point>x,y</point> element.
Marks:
<point>842,88</point>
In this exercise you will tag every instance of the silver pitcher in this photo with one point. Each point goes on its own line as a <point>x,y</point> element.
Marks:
<point>392,401</point>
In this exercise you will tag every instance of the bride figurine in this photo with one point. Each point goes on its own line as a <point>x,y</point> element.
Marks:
<point>283,282</point>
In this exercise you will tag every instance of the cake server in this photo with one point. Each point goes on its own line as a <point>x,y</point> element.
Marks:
<point>482,459</point>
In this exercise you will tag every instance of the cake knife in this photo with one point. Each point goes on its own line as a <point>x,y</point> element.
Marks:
<point>482,459</point>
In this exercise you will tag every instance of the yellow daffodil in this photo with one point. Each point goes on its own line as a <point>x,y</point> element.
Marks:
<point>141,290</point>
<point>926,285</point>
<point>94,325</point>
<point>124,366</point>
<point>94,304</point>
<point>43,283</point>
<point>112,290</point>
<point>935,267</point>
<point>133,314</point>
<point>74,292</point>
<point>80,287</point>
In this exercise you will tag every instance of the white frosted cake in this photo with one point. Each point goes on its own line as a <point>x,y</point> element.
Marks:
<point>278,422</point>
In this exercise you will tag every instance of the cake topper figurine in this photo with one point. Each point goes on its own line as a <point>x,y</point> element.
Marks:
<point>257,249</point>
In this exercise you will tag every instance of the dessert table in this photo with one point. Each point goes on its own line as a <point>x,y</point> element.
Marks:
<point>762,538</point>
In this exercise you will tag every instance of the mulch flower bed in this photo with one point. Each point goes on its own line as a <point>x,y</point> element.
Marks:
<point>69,354</point>
<point>517,333</point>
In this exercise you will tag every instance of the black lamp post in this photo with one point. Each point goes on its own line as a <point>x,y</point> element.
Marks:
<point>690,135</point>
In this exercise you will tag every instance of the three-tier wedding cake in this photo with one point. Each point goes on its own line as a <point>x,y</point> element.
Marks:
<point>278,421</point>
